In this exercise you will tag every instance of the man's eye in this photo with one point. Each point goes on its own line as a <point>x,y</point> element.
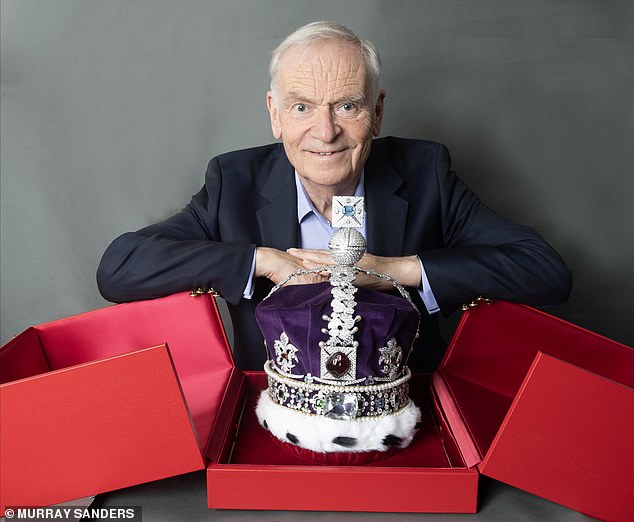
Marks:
<point>348,109</point>
<point>300,107</point>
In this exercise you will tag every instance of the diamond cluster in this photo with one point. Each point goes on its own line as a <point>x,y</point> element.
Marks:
<point>339,402</point>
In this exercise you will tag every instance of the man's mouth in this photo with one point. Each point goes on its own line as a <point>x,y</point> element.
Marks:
<point>325,154</point>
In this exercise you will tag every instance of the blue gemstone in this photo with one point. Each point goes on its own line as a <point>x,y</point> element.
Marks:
<point>348,210</point>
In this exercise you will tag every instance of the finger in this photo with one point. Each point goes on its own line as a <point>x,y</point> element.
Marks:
<point>305,253</point>
<point>320,257</point>
<point>307,279</point>
<point>310,264</point>
<point>370,262</point>
<point>323,275</point>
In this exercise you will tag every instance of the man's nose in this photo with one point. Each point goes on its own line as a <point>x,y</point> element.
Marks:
<point>326,127</point>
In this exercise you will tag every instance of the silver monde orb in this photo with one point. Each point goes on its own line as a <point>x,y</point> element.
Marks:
<point>347,246</point>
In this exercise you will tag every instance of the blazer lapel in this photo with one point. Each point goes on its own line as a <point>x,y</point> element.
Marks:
<point>277,218</point>
<point>386,211</point>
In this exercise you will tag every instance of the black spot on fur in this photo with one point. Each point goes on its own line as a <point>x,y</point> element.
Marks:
<point>292,438</point>
<point>418,425</point>
<point>392,440</point>
<point>346,442</point>
<point>265,424</point>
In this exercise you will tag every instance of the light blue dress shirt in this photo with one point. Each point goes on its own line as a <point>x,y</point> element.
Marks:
<point>315,233</point>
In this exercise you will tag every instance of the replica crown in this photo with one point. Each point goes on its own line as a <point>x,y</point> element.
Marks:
<point>337,370</point>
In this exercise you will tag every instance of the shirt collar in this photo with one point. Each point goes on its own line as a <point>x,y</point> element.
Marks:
<point>305,205</point>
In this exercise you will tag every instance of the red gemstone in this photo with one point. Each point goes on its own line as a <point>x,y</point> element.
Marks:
<point>338,364</point>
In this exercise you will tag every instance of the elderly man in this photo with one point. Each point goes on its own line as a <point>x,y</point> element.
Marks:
<point>265,212</point>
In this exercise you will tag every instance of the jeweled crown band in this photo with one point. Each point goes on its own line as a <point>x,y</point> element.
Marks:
<point>352,402</point>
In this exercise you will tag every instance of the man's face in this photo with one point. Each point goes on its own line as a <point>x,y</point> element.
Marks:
<point>323,113</point>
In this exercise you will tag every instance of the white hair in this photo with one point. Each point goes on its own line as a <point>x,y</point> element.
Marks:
<point>322,31</point>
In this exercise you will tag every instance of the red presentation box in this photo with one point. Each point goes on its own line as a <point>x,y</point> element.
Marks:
<point>108,399</point>
<point>521,396</point>
<point>137,392</point>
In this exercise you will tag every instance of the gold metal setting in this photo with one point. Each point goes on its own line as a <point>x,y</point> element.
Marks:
<point>200,291</point>
<point>476,302</point>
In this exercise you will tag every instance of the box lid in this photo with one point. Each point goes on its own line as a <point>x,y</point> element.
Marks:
<point>190,326</point>
<point>92,428</point>
<point>543,405</point>
<point>88,359</point>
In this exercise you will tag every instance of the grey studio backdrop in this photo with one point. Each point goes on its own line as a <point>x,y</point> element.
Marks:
<point>111,110</point>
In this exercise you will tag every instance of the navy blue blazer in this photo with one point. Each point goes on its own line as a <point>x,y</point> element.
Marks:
<point>415,205</point>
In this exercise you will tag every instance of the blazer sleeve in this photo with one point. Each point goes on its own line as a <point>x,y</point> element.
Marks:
<point>486,254</point>
<point>183,252</point>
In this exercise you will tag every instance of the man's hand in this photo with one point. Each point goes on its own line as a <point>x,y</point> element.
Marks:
<point>406,270</point>
<point>277,266</point>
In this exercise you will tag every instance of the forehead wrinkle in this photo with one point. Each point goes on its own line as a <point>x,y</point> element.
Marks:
<point>337,74</point>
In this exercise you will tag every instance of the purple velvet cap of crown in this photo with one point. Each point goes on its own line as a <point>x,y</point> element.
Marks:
<point>298,310</point>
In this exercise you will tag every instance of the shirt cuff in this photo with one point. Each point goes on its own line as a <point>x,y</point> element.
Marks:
<point>426,293</point>
<point>248,289</point>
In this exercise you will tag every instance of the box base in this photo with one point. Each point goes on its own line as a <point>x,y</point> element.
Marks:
<point>257,471</point>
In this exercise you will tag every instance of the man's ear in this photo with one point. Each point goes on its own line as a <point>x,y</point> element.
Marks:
<point>274,114</point>
<point>378,113</point>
